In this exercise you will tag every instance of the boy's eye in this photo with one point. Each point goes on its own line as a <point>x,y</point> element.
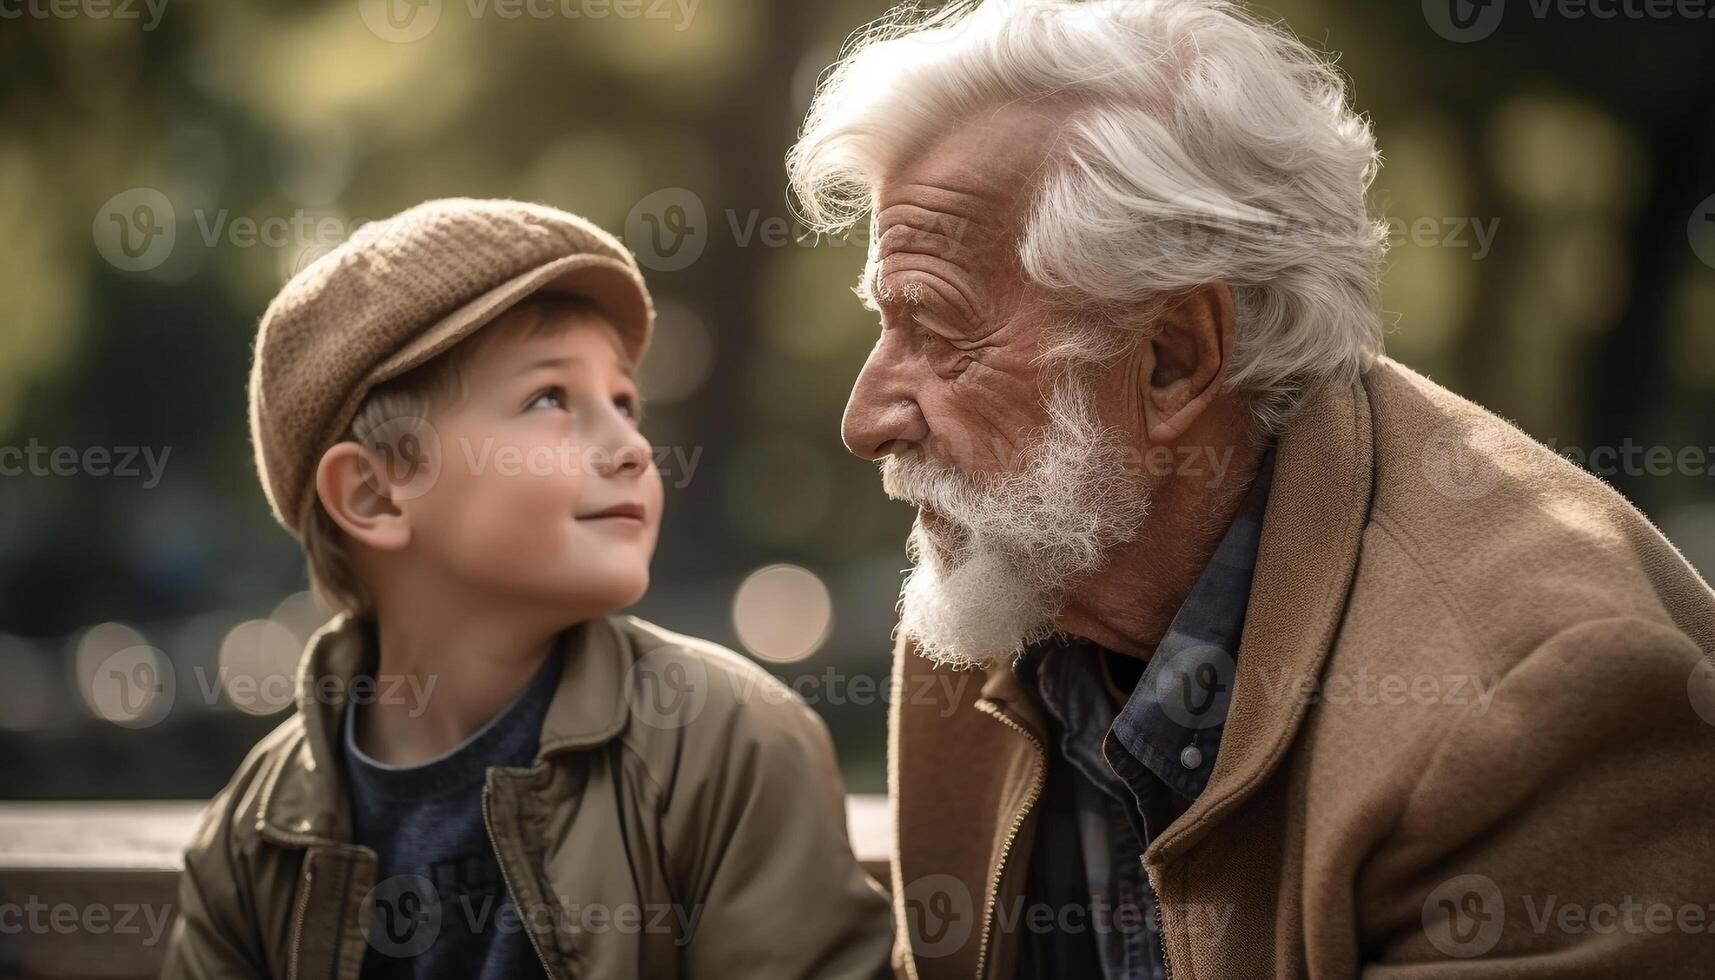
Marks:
<point>629,407</point>
<point>556,395</point>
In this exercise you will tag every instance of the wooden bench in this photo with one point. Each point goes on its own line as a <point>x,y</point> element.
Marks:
<point>88,890</point>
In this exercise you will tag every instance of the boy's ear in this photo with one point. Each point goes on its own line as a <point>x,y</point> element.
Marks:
<point>355,491</point>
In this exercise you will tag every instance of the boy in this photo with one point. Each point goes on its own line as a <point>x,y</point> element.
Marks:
<point>489,774</point>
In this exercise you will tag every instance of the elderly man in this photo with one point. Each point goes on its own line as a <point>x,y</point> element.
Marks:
<point>1296,663</point>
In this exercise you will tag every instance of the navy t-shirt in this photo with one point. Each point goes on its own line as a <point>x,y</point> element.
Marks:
<point>442,908</point>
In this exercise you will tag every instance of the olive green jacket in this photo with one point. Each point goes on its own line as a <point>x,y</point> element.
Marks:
<point>684,818</point>
<point>1471,735</point>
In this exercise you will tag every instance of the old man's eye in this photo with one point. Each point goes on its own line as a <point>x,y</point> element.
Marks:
<point>946,358</point>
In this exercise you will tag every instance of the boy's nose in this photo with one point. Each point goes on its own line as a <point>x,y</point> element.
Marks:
<point>628,455</point>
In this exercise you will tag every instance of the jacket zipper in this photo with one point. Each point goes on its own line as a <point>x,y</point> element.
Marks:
<point>303,909</point>
<point>298,922</point>
<point>1037,778</point>
<point>500,860</point>
<point>339,920</point>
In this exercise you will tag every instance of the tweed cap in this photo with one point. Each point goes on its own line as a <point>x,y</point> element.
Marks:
<point>397,293</point>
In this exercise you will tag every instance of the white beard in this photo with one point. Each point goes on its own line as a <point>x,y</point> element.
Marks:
<point>992,561</point>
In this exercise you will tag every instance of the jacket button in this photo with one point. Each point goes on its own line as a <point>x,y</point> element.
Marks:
<point>1191,757</point>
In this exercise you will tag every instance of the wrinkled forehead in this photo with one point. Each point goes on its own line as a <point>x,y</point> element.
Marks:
<point>970,187</point>
<point>999,150</point>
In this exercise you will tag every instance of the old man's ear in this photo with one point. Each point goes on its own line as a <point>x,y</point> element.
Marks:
<point>1186,358</point>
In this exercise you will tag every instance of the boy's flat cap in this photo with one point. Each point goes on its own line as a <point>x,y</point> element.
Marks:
<point>397,293</point>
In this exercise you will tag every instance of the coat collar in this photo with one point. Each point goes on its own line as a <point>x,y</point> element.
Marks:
<point>303,802</point>
<point>1306,561</point>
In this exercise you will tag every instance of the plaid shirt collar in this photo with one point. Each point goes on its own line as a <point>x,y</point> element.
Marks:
<point>1171,724</point>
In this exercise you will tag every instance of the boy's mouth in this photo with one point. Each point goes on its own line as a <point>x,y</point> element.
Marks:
<point>619,515</point>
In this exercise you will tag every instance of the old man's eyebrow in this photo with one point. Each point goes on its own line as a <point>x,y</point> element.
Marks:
<point>874,295</point>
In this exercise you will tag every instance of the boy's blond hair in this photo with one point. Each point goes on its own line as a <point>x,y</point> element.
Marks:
<point>401,406</point>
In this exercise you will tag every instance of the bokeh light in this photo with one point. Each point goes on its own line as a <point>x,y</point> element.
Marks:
<point>122,678</point>
<point>258,666</point>
<point>782,613</point>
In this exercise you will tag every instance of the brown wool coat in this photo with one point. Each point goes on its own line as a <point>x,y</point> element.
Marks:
<point>1472,732</point>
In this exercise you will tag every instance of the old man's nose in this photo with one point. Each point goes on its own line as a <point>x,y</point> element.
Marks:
<point>879,421</point>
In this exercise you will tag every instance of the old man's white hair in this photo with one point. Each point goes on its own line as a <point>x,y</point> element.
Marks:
<point>1201,145</point>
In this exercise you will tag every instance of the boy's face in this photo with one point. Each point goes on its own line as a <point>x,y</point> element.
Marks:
<point>545,489</point>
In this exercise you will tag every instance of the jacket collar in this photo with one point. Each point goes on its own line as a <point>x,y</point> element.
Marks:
<point>1306,560</point>
<point>303,802</point>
